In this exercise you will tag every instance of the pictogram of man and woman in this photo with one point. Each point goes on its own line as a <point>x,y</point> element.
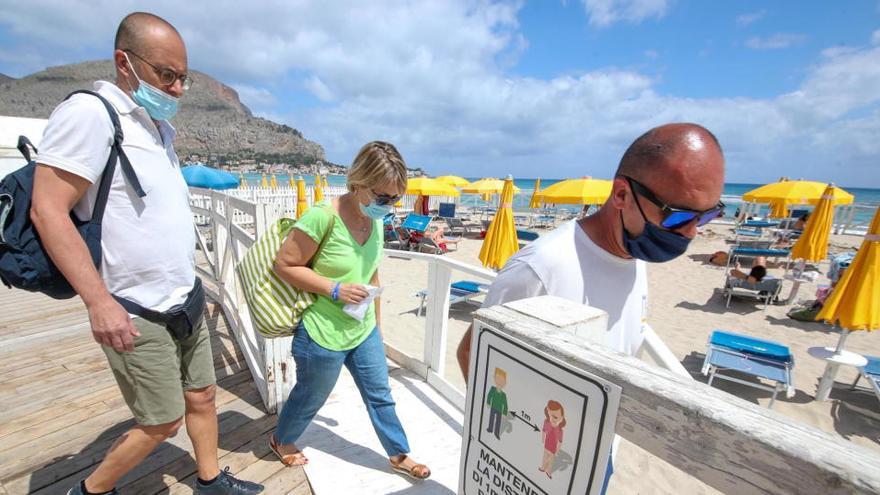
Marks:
<point>551,432</point>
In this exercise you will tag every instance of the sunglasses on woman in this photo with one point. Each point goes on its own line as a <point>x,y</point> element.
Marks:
<point>674,218</point>
<point>384,199</point>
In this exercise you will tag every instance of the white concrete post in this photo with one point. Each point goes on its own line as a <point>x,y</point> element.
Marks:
<point>436,316</point>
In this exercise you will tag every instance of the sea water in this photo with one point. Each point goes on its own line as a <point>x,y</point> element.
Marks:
<point>731,196</point>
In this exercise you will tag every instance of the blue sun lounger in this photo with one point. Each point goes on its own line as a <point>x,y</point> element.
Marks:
<point>870,372</point>
<point>756,357</point>
<point>461,291</point>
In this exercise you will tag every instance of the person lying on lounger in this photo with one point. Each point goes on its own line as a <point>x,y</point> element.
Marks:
<point>755,275</point>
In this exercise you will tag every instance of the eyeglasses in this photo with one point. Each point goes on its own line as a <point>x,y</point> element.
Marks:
<point>385,199</point>
<point>674,218</point>
<point>166,75</point>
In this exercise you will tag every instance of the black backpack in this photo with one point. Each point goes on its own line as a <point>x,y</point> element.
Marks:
<point>24,262</point>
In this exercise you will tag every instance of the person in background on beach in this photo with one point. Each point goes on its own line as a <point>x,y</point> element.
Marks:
<point>755,275</point>
<point>328,338</point>
<point>148,251</point>
<point>668,182</point>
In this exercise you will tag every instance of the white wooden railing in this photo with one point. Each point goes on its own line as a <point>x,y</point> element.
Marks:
<point>230,225</point>
<point>845,220</point>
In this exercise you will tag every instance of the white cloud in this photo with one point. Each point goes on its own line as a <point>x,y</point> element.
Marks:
<point>775,42</point>
<point>746,19</point>
<point>433,78</point>
<point>603,13</point>
<point>652,54</point>
<point>875,37</point>
<point>255,98</point>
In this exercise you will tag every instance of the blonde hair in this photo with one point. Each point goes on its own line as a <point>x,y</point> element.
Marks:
<point>377,163</point>
<point>500,372</point>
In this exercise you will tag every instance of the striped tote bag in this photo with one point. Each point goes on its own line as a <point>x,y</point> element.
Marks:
<point>275,306</point>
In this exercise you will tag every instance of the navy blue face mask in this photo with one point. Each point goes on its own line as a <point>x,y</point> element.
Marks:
<point>654,244</point>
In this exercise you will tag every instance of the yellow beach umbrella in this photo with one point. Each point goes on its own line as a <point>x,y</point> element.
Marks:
<point>319,191</point>
<point>813,243</point>
<point>795,192</point>
<point>324,180</point>
<point>534,202</point>
<point>292,182</point>
<point>242,182</point>
<point>854,303</point>
<point>500,242</point>
<point>264,182</point>
<point>273,182</point>
<point>302,202</point>
<point>487,186</point>
<point>426,186</point>
<point>453,180</point>
<point>584,191</point>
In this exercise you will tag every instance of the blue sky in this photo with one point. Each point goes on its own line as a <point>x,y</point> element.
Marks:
<point>534,88</point>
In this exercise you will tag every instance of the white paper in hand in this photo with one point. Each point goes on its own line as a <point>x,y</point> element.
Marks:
<point>359,311</point>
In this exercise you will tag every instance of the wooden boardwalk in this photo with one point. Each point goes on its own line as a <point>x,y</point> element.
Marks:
<point>60,408</point>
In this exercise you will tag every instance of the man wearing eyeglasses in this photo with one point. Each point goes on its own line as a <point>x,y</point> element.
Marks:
<point>147,251</point>
<point>667,184</point>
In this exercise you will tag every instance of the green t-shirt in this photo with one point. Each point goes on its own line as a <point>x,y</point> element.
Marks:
<point>344,260</point>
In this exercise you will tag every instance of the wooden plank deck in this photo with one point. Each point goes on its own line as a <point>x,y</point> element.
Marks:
<point>60,408</point>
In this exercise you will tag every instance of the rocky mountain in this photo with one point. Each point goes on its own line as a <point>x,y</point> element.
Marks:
<point>211,120</point>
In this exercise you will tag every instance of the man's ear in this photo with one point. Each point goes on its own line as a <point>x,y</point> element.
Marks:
<point>619,192</point>
<point>121,63</point>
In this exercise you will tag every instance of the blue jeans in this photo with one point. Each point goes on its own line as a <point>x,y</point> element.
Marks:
<point>317,370</point>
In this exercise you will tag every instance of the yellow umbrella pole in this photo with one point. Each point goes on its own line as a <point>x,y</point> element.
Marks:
<point>319,191</point>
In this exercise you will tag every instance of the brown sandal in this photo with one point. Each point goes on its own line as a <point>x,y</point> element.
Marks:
<point>417,471</point>
<point>295,459</point>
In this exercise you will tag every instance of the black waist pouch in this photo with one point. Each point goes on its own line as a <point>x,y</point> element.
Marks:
<point>180,320</point>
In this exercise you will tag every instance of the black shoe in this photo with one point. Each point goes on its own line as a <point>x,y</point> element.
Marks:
<point>77,490</point>
<point>226,484</point>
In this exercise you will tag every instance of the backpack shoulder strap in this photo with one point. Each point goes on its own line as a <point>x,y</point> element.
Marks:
<point>116,152</point>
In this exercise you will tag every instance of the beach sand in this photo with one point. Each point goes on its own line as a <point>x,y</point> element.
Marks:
<point>685,305</point>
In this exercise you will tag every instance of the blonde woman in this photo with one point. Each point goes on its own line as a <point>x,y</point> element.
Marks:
<point>327,338</point>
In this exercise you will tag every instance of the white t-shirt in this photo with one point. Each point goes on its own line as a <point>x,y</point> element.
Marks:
<point>148,243</point>
<point>567,263</point>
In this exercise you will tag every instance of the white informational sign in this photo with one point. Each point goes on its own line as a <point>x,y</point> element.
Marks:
<point>533,425</point>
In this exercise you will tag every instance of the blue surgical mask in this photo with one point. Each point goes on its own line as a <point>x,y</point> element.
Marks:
<point>159,104</point>
<point>654,244</point>
<point>374,211</point>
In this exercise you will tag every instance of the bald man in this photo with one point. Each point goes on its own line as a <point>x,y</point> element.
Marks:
<point>668,183</point>
<point>142,300</point>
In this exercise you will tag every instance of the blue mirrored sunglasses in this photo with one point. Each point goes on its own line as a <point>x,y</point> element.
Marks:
<point>674,218</point>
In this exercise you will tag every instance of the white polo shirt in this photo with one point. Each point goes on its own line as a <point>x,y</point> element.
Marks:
<point>148,243</point>
<point>567,263</point>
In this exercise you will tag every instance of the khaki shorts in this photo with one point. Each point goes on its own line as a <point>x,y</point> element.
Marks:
<point>154,376</point>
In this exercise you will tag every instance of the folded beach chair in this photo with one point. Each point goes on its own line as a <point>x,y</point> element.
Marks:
<point>756,357</point>
<point>870,372</point>
<point>461,291</point>
<point>767,290</point>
